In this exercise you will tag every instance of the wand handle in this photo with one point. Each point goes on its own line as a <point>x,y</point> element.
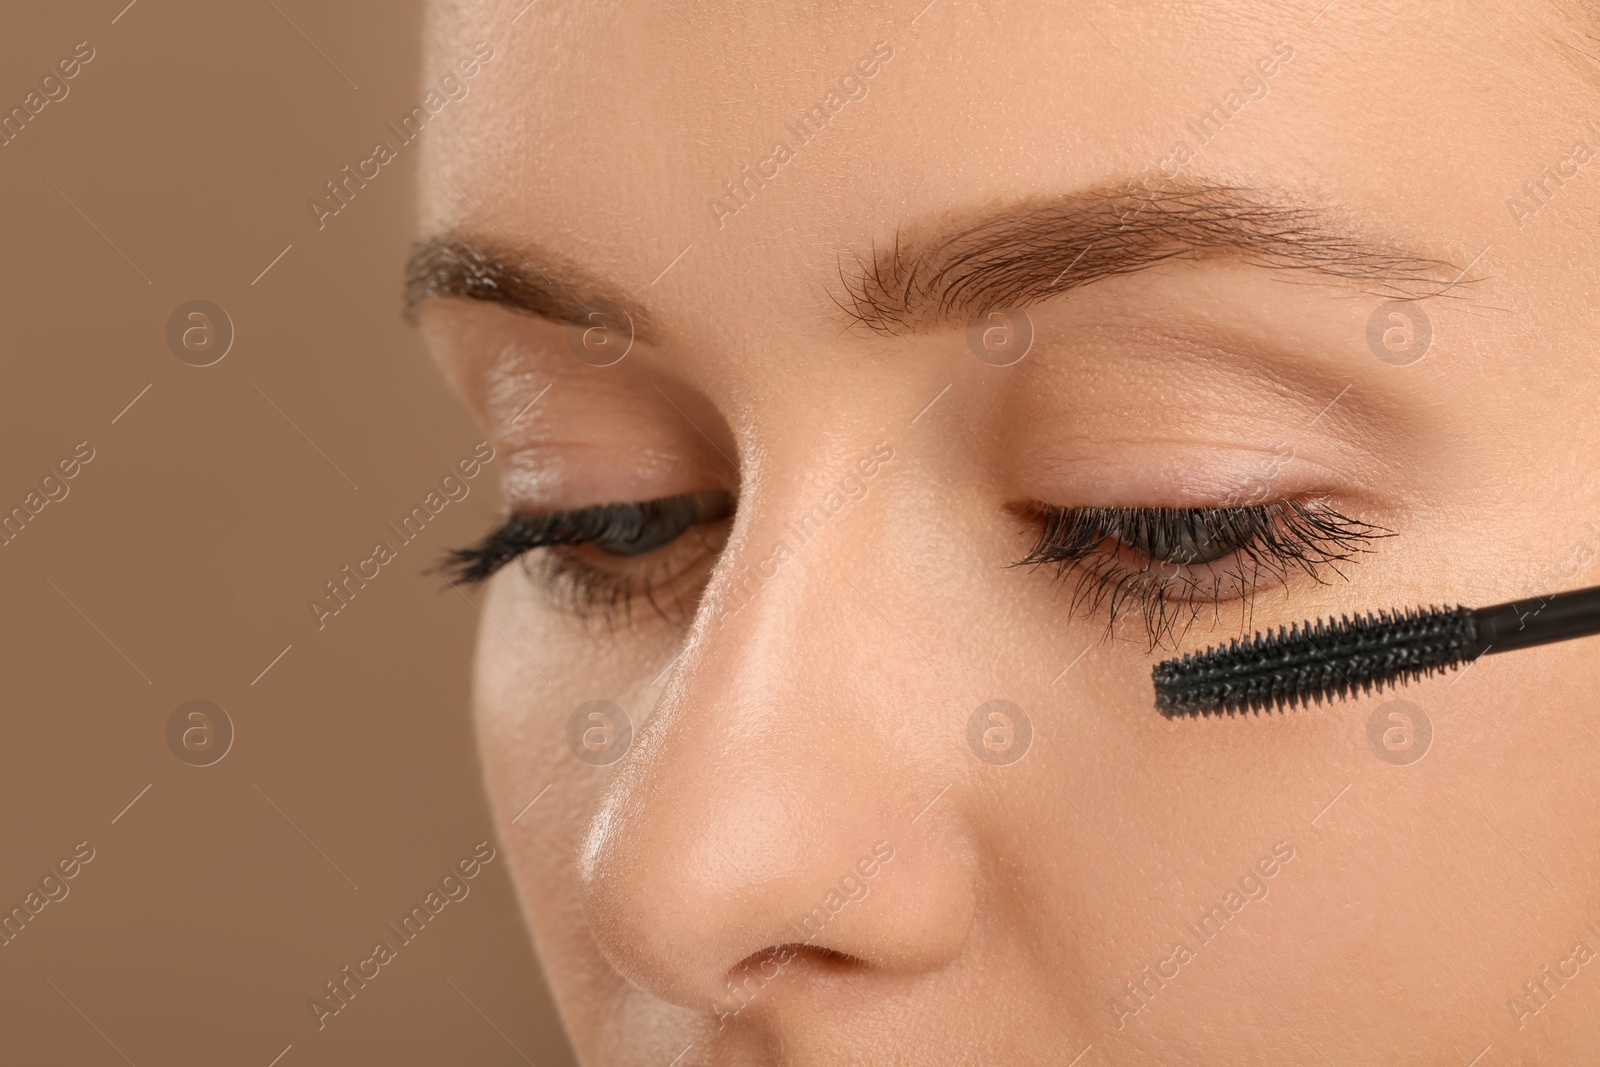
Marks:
<point>1537,620</point>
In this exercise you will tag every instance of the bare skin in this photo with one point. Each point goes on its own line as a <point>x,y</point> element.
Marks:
<point>800,714</point>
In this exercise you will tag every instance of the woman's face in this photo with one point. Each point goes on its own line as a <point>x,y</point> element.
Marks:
<point>882,299</point>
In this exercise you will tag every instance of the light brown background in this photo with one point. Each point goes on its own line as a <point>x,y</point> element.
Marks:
<point>192,542</point>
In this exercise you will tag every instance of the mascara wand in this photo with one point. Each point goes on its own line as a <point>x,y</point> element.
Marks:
<point>1327,659</point>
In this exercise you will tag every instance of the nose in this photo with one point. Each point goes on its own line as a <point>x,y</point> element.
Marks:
<point>770,832</point>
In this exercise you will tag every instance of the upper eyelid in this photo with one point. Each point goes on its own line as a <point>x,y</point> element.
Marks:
<point>513,538</point>
<point>1111,517</point>
<point>1319,537</point>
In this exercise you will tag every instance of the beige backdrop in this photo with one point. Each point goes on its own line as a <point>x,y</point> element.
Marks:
<point>176,563</point>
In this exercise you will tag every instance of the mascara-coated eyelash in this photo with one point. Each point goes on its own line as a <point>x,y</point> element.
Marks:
<point>620,530</point>
<point>1188,559</point>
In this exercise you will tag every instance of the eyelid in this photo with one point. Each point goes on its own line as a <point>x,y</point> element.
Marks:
<point>624,524</point>
<point>1284,536</point>
<point>689,509</point>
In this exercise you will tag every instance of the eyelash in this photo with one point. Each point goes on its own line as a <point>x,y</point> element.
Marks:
<point>1176,580</point>
<point>620,531</point>
<point>1170,586</point>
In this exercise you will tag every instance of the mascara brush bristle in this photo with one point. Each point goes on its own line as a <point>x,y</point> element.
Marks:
<point>1315,661</point>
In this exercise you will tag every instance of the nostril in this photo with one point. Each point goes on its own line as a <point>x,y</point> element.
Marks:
<point>776,965</point>
<point>817,955</point>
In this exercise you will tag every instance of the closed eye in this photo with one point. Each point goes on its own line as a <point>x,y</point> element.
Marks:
<point>599,562</point>
<point>1169,565</point>
<point>633,529</point>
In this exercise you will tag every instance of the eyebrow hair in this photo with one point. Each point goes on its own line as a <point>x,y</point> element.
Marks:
<point>1026,254</point>
<point>452,265</point>
<point>1008,259</point>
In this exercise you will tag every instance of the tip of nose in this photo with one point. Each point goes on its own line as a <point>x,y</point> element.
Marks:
<point>654,910</point>
<point>695,872</point>
<point>668,943</point>
<point>684,925</point>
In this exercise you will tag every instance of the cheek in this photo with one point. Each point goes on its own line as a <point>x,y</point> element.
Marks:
<point>533,667</point>
<point>525,682</point>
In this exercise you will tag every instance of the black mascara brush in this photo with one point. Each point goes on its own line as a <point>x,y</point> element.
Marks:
<point>1328,659</point>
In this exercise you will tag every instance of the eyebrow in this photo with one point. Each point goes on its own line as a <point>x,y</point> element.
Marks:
<point>938,275</point>
<point>1022,255</point>
<point>453,265</point>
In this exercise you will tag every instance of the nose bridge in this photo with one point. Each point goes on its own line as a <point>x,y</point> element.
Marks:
<point>769,780</point>
<point>803,523</point>
<point>772,653</point>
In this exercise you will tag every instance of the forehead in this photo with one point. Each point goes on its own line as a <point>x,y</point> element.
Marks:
<point>719,141</point>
